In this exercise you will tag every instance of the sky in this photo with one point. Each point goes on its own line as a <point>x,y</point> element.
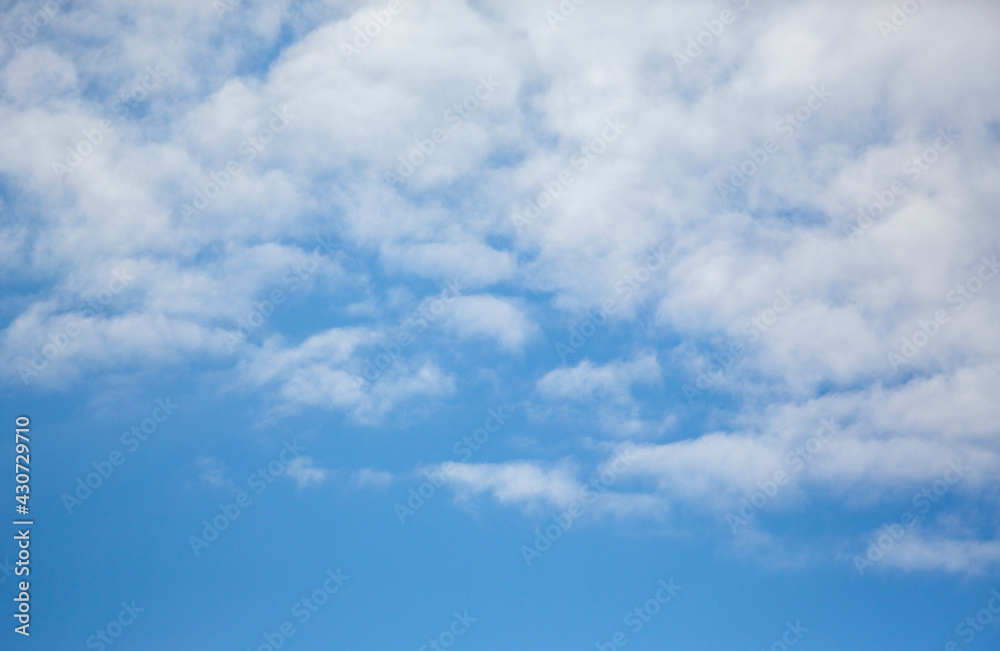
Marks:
<point>431,324</point>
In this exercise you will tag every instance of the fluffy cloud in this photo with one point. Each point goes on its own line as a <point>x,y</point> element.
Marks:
<point>587,381</point>
<point>521,483</point>
<point>881,227</point>
<point>491,317</point>
<point>368,478</point>
<point>546,488</point>
<point>327,371</point>
<point>304,472</point>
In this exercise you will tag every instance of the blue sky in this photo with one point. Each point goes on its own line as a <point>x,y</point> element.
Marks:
<point>491,325</point>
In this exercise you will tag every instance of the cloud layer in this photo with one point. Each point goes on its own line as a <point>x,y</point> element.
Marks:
<point>784,214</point>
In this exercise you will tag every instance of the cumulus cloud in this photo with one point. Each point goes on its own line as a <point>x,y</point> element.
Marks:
<point>327,371</point>
<point>874,207</point>
<point>538,488</point>
<point>491,317</point>
<point>304,471</point>
<point>922,552</point>
<point>212,471</point>
<point>605,392</point>
<point>368,478</point>
<point>587,381</point>
<point>520,483</point>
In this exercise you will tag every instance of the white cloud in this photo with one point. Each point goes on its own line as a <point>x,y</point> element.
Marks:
<point>484,316</point>
<point>368,478</point>
<point>725,257</point>
<point>517,483</point>
<point>703,467</point>
<point>538,488</point>
<point>212,471</point>
<point>587,381</point>
<point>603,394</point>
<point>304,472</point>
<point>921,552</point>
<point>327,371</point>
<point>471,262</point>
